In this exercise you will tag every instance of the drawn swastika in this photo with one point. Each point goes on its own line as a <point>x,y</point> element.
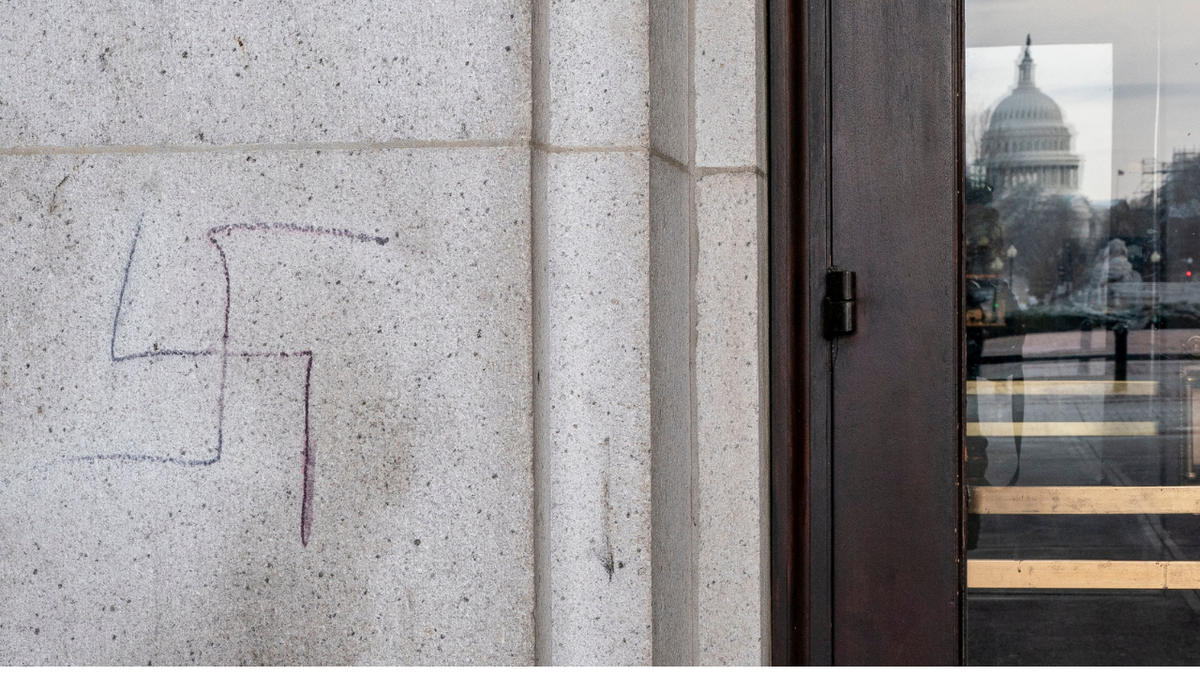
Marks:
<point>220,238</point>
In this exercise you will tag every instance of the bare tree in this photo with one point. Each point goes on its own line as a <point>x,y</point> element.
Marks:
<point>977,126</point>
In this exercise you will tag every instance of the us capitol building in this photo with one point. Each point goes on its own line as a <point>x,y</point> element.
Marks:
<point>1027,142</point>
<point>1025,159</point>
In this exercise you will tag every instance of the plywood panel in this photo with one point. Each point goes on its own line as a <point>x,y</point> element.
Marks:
<point>1010,429</point>
<point>1084,500</point>
<point>1092,574</point>
<point>1061,388</point>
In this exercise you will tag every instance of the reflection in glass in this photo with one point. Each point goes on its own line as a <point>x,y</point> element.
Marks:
<point>1082,232</point>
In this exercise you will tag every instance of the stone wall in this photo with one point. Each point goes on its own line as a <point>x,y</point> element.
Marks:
<point>365,332</point>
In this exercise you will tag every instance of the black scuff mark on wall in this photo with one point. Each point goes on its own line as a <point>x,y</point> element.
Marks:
<point>607,559</point>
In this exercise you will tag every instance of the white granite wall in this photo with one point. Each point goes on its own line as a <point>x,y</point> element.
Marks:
<point>265,378</point>
<point>382,332</point>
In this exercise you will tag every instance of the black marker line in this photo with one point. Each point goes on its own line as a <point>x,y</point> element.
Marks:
<point>112,345</point>
<point>310,462</point>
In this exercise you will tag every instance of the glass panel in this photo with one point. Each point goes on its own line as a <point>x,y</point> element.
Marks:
<point>1082,234</point>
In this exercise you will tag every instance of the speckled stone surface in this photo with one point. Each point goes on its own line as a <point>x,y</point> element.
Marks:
<point>291,295</point>
<point>671,128</point>
<point>673,465</point>
<point>266,408</point>
<point>593,399</point>
<point>733,562</point>
<point>80,73</point>
<point>595,72</point>
<point>729,80</point>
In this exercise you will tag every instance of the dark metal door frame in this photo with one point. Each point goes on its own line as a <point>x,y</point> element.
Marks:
<point>866,437</point>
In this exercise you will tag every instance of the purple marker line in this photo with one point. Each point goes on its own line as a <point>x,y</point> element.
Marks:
<point>308,469</point>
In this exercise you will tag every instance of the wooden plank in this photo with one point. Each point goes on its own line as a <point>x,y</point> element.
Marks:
<point>1062,388</point>
<point>1107,574</point>
<point>1084,500</point>
<point>1183,575</point>
<point>1028,429</point>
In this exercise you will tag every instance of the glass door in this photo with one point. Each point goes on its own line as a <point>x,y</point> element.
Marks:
<point>1081,285</point>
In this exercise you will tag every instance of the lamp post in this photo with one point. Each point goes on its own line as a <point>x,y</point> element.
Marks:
<point>1012,254</point>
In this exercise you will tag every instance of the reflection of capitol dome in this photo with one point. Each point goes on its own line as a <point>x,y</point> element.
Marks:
<point>1026,141</point>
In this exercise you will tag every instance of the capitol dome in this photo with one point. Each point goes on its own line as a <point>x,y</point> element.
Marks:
<point>1027,142</point>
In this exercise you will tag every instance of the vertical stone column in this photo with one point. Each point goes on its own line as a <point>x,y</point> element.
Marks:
<point>708,327</point>
<point>591,332</point>
<point>649,227</point>
<point>673,249</point>
<point>731,356</point>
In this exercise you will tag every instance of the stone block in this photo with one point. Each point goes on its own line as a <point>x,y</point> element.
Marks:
<point>733,561</point>
<point>671,79</point>
<point>673,461</point>
<point>728,83</point>
<point>594,67</point>
<point>593,401</point>
<point>81,73</point>
<point>266,408</point>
